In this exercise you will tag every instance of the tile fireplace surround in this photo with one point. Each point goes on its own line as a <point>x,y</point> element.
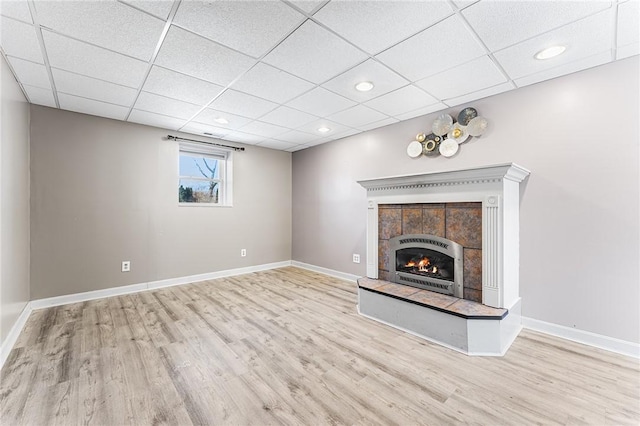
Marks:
<point>497,188</point>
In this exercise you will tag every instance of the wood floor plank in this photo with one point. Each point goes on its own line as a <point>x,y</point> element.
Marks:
<point>287,346</point>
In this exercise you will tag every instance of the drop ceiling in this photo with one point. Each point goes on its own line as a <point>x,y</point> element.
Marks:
<point>271,73</point>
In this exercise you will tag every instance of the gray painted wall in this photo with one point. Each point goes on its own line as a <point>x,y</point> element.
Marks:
<point>579,215</point>
<point>105,191</point>
<point>14,196</point>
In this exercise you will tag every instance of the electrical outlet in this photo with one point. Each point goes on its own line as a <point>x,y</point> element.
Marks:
<point>243,253</point>
<point>356,258</point>
<point>126,266</point>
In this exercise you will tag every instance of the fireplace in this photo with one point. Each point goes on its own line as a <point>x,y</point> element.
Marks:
<point>428,262</point>
<point>422,216</point>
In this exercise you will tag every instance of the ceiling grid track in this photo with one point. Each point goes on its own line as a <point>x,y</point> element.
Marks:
<point>45,57</point>
<point>163,35</point>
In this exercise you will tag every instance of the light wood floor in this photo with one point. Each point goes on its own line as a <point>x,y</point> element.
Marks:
<point>286,346</point>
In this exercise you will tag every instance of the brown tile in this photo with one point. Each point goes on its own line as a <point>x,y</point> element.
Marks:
<point>398,289</point>
<point>433,206</point>
<point>473,268</point>
<point>468,307</point>
<point>389,206</point>
<point>367,282</point>
<point>471,205</point>
<point>433,221</point>
<point>473,295</point>
<point>432,298</point>
<point>464,226</point>
<point>412,221</point>
<point>383,275</point>
<point>389,223</point>
<point>413,206</point>
<point>383,255</point>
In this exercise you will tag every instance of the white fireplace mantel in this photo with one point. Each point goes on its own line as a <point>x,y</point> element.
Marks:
<point>497,187</point>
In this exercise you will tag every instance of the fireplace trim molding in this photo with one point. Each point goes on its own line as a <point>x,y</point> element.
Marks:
<point>497,187</point>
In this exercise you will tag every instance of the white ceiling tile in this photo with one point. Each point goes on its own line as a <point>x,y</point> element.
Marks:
<point>296,148</point>
<point>403,100</point>
<point>628,50</point>
<point>72,55</point>
<point>251,27</point>
<point>87,87</point>
<point>444,45</point>
<point>503,23</point>
<point>274,144</point>
<point>209,116</point>
<point>264,129</point>
<point>628,23</point>
<point>318,142</point>
<point>17,9</point>
<point>201,129</point>
<point>174,85</point>
<point>461,4</point>
<point>165,106</point>
<point>421,111</point>
<point>288,117</point>
<point>378,124</point>
<point>247,138</point>
<point>480,94</point>
<point>383,78</point>
<point>40,96</point>
<point>357,116</point>
<point>270,83</point>
<point>340,135</point>
<point>581,64</point>
<point>30,73</point>
<point>307,6</point>
<point>314,54</point>
<point>91,107</point>
<point>19,39</point>
<point>478,74</point>
<point>155,120</point>
<point>242,104</point>
<point>159,8</point>
<point>122,28</point>
<point>582,39</point>
<point>296,136</point>
<point>321,102</point>
<point>312,128</point>
<point>196,56</point>
<point>376,25</point>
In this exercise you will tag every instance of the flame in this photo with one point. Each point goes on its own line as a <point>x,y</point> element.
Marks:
<point>423,265</point>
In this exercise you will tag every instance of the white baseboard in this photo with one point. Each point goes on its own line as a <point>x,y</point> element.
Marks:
<point>585,337</point>
<point>12,337</point>
<point>49,302</point>
<point>135,288</point>
<point>326,271</point>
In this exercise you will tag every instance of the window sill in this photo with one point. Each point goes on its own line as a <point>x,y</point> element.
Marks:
<point>204,205</point>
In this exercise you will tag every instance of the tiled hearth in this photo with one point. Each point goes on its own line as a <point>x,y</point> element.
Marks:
<point>477,208</point>
<point>459,222</point>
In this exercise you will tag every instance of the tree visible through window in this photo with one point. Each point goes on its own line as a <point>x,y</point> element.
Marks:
<point>202,176</point>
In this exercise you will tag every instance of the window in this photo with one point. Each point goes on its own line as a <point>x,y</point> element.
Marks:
<point>204,176</point>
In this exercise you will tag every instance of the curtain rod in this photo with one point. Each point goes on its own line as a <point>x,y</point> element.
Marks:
<point>176,138</point>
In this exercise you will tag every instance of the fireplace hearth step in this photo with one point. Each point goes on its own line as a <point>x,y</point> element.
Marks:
<point>441,302</point>
<point>463,325</point>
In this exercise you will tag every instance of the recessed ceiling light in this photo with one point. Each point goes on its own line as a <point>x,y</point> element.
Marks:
<point>324,129</point>
<point>364,86</point>
<point>550,52</point>
<point>221,120</point>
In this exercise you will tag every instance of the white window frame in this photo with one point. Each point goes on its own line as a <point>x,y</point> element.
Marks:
<point>225,158</point>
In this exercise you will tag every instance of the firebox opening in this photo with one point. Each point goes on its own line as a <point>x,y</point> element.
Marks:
<point>425,262</point>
